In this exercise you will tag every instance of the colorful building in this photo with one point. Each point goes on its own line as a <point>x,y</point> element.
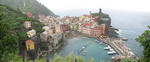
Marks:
<point>64,27</point>
<point>46,28</point>
<point>44,36</point>
<point>56,38</point>
<point>79,27</point>
<point>31,33</point>
<point>96,31</point>
<point>27,24</point>
<point>50,31</point>
<point>92,31</point>
<point>57,28</point>
<point>86,30</point>
<point>29,45</point>
<point>29,14</point>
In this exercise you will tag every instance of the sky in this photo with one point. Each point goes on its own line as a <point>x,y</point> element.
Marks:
<point>129,5</point>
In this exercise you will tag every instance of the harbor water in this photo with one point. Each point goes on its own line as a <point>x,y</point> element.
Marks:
<point>93,49</point>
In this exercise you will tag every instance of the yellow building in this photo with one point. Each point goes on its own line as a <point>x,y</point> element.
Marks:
<point>29,45</point>
<point>79,27</point>
<point>57,28</point>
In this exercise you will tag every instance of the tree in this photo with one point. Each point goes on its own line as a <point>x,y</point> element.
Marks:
<point>8,42</point>
<point>144,39</point>
<point>128,60</point>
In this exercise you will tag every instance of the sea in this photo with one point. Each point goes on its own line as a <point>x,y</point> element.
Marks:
<point>131,24</point>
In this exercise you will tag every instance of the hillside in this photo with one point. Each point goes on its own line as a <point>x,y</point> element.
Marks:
<point>12,31</point>
<point>32,6</point>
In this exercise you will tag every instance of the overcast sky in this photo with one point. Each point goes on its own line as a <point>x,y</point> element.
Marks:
<point>136,5</point>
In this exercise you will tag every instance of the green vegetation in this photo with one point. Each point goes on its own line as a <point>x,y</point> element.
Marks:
<point>144,39</point>
<point>102,15</point>
<point>69,58</point>
<point>100,21</point>
<point>32,6</point>
<point>8,43</point>
<point>12,32</point>
<point>128,60</point>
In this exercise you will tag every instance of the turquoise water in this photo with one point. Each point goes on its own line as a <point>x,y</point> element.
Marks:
<point>94,50</point>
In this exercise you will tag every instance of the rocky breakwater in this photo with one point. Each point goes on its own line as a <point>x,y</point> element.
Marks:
<point>118,45</point>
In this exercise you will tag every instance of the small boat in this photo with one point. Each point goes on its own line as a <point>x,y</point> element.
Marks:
<point>111,52</point>
<point>111,49</point>
<point>124,39</point>
<point>113,57</point>
<point>81,49</point>
<point>84,52</point>
<point>107,48</point>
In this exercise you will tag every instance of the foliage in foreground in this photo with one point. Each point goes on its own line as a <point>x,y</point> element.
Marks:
<point>144,39</point>
<point>12,32</point>
<point>128,60</point>
<point>70,58</point>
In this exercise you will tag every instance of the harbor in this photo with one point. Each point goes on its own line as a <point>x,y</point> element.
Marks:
<point>90,47</point>
<point>92,50</point>
<point>118,46</point>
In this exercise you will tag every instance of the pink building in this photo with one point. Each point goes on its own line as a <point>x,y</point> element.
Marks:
<point>94,32</point>
<point>29,14</point>
<point>64,27</point>
<point>103,27</point>
<point>86,30</point>
<point>97,31</point>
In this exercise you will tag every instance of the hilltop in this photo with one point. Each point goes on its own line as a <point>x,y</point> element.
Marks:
<point>32,6</point>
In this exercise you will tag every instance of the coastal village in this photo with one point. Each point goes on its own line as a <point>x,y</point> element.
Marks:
<point>57,30</point>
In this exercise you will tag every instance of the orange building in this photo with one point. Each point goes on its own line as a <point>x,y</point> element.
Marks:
<point>29,45</point>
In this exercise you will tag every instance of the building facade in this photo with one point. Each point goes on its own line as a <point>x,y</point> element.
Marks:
<point>27,24</point>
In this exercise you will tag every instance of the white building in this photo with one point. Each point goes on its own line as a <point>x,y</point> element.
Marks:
<point>31,33</point>
<point>27,24</point>
<point>46,28</point>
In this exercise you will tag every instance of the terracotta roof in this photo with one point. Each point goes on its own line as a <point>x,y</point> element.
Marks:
<point>87,24</point>
<point>96,19</point>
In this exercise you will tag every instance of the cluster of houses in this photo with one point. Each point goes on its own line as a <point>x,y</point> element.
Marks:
<point>55,27</point>
<point>86,24</point>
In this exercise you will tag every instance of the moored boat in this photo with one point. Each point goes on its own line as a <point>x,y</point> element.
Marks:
<point>107,48</point>
<point>111,52</point>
